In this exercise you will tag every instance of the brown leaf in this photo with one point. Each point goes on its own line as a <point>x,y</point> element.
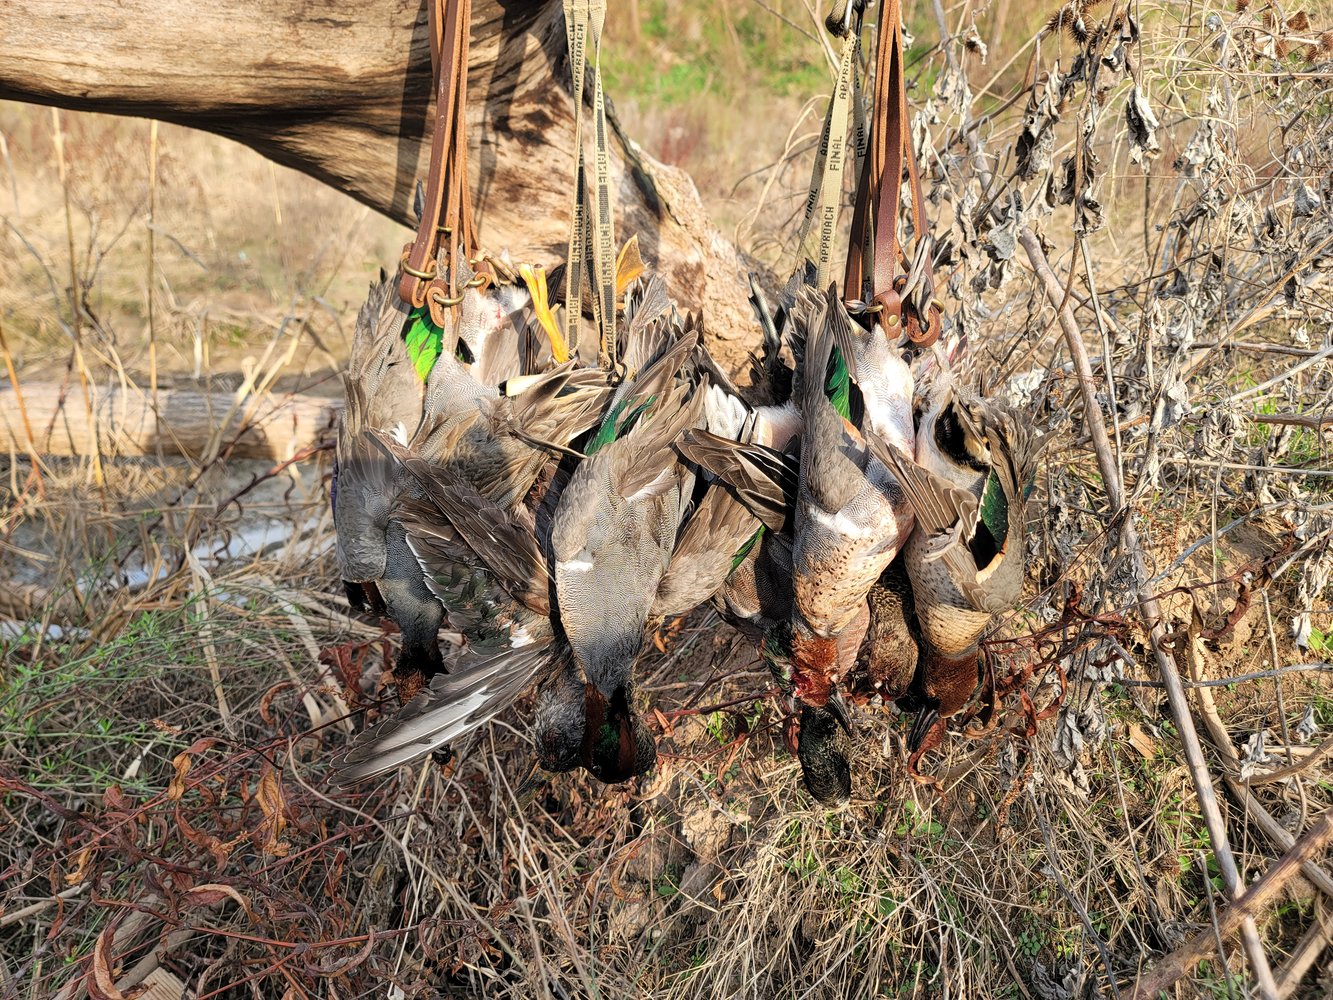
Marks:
<point>667,728</point>
<point>274,807</point>
<point>103,983</point>
<point>80,872</point>
<point>114,798</point>
<point>266,702</point>
<point>1142,742</point>
<point>220,851</point>
<point>182,763</point>
<point>212,893</point>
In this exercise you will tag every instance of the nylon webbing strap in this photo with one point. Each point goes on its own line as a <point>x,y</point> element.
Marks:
<point>879,192</point>
<point>583,26</point>
<point>819,226</point>
<point>447,208</point>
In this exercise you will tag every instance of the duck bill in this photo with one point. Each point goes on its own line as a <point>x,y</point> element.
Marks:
<point>840,710</point>
<point>925,722</point>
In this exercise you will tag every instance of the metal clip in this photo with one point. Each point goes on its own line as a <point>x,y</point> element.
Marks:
<point>423,275</point>
<point>839,20</point>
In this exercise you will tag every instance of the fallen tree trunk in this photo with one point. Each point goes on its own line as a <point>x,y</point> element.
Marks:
<point>342,92</point>
<point>186,422</point>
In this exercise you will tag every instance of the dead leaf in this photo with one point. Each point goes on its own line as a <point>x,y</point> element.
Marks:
<point>667,633</point>
<point>182,763</point>
<point>1142,742</point>
<point>667,728</point>
<point>274,807</point>
<point>80,872</point>
<point>212,893</point>
<point>162,985</point>
<point>103,984</point>
<point>220,851</point>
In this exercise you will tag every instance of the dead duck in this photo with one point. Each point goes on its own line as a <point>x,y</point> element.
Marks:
<point>615,525</point>
<point>383,393</point>
<point>757,600</point>
<point>968,486</point>
<point>460,396</point>
<point>852,516</point>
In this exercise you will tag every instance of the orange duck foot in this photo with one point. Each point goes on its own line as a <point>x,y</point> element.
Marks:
<point>791,733</point>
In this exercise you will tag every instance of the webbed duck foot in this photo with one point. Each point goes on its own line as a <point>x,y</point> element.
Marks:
<point>443,757</point>
<point>927,720</point>
<point>791,733</point>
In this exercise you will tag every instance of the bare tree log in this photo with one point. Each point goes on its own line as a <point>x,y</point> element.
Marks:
<point>190,423</point>
<point>342,92</point>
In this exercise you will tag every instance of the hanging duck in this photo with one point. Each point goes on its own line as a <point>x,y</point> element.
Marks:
<point>968,484</point>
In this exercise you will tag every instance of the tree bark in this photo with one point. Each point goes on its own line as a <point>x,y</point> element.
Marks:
<point>342,92</point>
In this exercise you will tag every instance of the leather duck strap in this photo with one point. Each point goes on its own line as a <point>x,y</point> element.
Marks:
<point>447,209</point>
<point>878,200</point>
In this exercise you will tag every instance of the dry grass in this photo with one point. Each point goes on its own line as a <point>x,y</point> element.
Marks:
<point>166,709</point>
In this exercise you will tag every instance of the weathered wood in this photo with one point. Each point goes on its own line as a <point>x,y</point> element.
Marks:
<point>341,92</point>
<point>190,423</point>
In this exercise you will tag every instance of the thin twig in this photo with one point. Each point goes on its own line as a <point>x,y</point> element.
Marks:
<point>1246,906</point>
<point>1149,608</point>
<point>1213,682</point>
<point>1303,958</point>
<point>1254,809</point>
<point>27,911</point>
<point>1083,917</point>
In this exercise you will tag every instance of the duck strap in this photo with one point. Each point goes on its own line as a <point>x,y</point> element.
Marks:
<point>583,28</point>
<point>820,223</point>
<point>907,298</point>
<point>447,206</point>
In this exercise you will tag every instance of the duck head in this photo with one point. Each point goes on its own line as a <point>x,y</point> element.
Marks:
<point>823,749</point>
<point>561,723</point>
<point>815,664</point>
<point>617,745</point>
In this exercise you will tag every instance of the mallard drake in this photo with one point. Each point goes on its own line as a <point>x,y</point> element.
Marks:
<point>851,513</point>
<point>968,485</point>
<point>756,600</point>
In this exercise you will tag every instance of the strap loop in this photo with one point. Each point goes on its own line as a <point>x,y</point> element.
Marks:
<point>820,223</point>
<point>583,28</point>
<point>874,237</point>
<point>423,275</point>
<point>445,230</point>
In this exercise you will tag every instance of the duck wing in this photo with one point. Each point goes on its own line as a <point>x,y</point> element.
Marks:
<point>476,690</point>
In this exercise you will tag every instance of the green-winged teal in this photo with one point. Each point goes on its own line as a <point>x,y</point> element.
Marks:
<point>383,393</point>
<point>968,485</point>
<point>851,513</point>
